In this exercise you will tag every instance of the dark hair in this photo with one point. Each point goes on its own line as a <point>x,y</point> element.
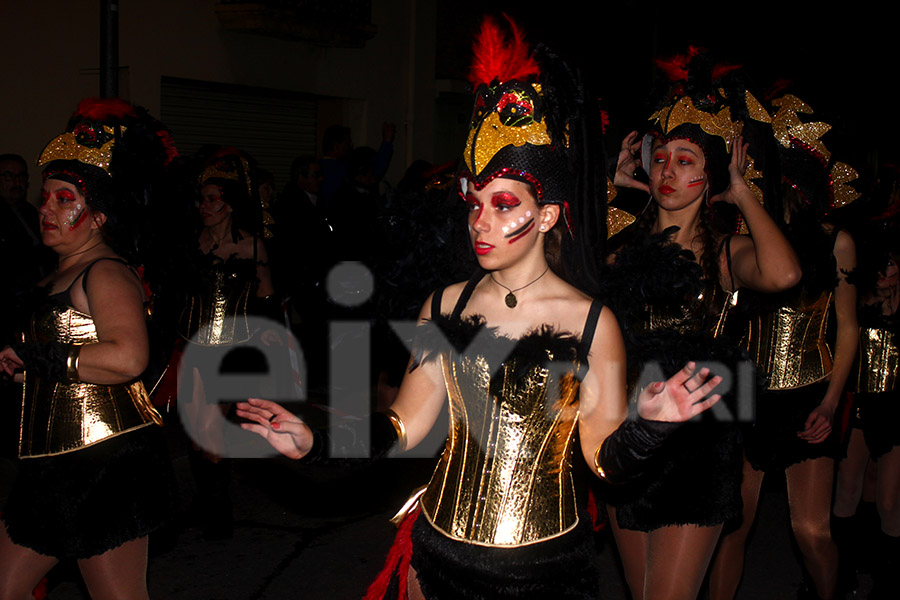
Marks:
<point>245,210</point>
<point>333,136</point>
<point>14,158</point>
<point>120,231</point>
<point>300,166</point>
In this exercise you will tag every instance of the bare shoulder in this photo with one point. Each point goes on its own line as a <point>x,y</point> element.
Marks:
<point>113,272</point>
<point>843,243</point>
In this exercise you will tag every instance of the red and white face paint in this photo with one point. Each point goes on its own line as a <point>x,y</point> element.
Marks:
<point>63,211</point>
<point>503,216</point>
<point>677,174</point>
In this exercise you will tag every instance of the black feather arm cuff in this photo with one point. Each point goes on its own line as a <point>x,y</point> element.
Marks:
<point>386,432</point>
<point>624,455</point>
<point>47,361</point>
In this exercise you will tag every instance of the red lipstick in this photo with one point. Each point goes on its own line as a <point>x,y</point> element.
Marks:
<point>481,248</point>
<point>665,189</point>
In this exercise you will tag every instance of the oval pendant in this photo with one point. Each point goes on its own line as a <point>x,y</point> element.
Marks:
<point>511,300</point>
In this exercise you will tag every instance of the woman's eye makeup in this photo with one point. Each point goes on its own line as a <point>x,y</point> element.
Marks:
<point>505,200</point>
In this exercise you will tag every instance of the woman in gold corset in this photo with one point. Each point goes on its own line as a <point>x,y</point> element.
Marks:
<point>874,438</point>
<point>785,335</point>
<point>680,289</point>
<point>229,283</point>
<point>526,360</point>
<point>93,477</point>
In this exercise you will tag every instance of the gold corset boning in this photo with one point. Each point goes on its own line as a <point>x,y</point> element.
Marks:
<point>216,314</point>
<point>62,417</point>
<point>505,477</point>
<point>788,344</point>
<point>878,360</point>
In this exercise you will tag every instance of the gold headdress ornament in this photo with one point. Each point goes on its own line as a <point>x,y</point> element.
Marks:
<point>91,144</point>
<point>789,129</point>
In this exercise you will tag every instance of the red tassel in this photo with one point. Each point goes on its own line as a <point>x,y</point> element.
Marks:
<point>496,57</point>
<point>396,563</point>
<point>598,521</point>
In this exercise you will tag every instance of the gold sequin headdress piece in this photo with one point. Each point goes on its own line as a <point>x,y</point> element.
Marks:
<point>88,143</point>
<point>807,163</point>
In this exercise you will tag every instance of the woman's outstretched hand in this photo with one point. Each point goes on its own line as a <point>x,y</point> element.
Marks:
<point>683,396</point>
<point>629,162</point>
<point>280,427</point>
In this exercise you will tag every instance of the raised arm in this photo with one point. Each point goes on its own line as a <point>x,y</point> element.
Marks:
<point>764,260</point>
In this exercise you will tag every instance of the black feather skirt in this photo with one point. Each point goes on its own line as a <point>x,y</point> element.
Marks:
<point>82,503</point>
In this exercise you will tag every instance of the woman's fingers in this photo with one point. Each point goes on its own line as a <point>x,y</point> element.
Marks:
<point>705,404</point>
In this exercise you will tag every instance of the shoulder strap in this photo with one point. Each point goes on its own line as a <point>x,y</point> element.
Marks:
<point>84,273</point>
<point>726,243</point>
<point>467,293</point>
<point>436,303</point>
<point>590,326</point>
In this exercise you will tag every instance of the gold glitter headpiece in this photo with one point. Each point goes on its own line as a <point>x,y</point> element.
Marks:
<point>807,163</point>
<point>709,105</point>
<point>88,143</point>
<point>514,133</point>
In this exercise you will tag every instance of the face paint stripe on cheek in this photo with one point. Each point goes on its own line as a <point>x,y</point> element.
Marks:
<point>699,181</point>
<point>77,218</point>
<point>521,232</point>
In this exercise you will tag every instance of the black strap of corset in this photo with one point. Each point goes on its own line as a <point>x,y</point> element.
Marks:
<point>436,303</point>
<point>727,245</point>
<point>477,276</point>
<point>87,269</point>
<point>590,326</point>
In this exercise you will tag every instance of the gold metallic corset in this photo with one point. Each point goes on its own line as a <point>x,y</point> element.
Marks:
<point>216,313</point>
<point>709,310</point>
<point>788,344</point>
<point>505,477</point>
<point>61,417</point>
<point>878,360</point>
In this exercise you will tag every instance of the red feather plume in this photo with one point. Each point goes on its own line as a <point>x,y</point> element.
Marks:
<point>102,109</point>
<point>497,57</point>
<point>675,68</point>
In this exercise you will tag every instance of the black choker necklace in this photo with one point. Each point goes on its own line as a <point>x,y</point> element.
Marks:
<point>511,300</point>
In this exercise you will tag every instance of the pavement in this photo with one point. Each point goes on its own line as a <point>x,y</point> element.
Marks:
<point>321,532</point>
